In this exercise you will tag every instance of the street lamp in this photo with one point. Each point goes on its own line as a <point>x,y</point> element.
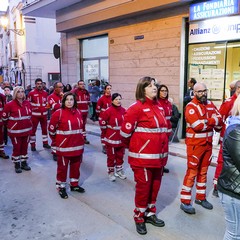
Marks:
<point>4,24</point>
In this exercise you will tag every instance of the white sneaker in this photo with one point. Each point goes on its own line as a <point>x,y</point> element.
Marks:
<point>120,174</point>
<point>111,176</point>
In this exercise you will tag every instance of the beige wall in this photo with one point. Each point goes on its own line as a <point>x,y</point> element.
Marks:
<point>157,55</point>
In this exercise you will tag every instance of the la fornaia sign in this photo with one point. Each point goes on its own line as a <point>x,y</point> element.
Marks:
<point>212,9</point>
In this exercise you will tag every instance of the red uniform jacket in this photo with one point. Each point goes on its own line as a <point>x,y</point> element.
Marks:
<point>38,100</point>
<point>111,123</point>
<point>146,126</point>
<point>17,117</point>
<point>83,100</point>
<point>2,103</point>
<point>102,104</point>
<point>201,120</point>
<point>167,107</point>
<point>65,128</point>
<point>225,110</point>
<point>54,101</point>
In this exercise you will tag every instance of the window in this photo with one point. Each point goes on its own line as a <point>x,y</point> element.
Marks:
<point>94,61</point>
<point>215,64</point>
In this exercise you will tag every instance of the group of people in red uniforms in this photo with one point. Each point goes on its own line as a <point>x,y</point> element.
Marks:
<point>144,129</point>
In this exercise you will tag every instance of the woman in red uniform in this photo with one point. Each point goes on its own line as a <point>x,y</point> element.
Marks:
<point>65,128</point>
<point>111,122</point>
<point>17,117</point>
<point>145,127</point>
<point>162,96</point>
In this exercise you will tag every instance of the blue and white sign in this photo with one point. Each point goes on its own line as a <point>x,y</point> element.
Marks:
<point>211,30</point>
<point>213,9</point>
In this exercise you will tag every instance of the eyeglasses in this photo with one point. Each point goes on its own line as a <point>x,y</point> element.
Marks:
<point>60,87</point>
<point>163,90</point>
<point>202,91</point>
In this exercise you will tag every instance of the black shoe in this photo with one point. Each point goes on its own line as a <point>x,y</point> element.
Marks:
<point>141,228</point>
<point>86,141</point>
<point>3,155</point>
<point>187,208</point>
<point>54,157</point>
<point>77,189</point>
<point>33,149</point>
<point>25,166</point>
<point>18,168</point>
<point>215,192</point>
<point>62,192</point>
<point>204,203</point>
<point>155,221</point>
<point>46,146</point>
<point>166,170</point>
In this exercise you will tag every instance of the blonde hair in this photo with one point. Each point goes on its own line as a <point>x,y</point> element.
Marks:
<point>236,107</point>
<point>16,89</point>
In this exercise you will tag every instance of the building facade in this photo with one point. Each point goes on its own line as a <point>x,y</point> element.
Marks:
<point>120,41</point>
<point>27,47</point>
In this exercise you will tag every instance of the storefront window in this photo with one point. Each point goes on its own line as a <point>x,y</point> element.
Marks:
<point>95,59</point>
<point>215,64</point>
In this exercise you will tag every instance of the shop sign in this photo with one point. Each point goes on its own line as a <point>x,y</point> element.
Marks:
<point>213,9</point>
<point>213,30</point>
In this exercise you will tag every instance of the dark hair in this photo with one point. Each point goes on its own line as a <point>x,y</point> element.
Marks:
<point>67,88</point>
<point>105,87</point>
<point>55,84</point>
<point>159,89</point>
<point>65,98</point>
<point>115,95</point>
<point>193,80</point>
<point>140,90</point>
<point>80,81</point>
<point>38,80</point>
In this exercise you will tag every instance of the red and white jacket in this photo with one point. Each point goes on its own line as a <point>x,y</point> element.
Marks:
<point>83,100</point>
<point>17,117</point>
<point>54,102</point>
<point>167,107</point>
<point>65,129</point>
<point>111,123</point>
<point>102,104</point>
<point>38,100</point>
<point>225,110</point>
<point>2,103</point>
<point>201,120</point>
<point>146,127</point>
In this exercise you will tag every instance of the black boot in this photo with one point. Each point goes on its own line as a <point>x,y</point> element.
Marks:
<point>18,167</point>
<point>141,228</point>
<point>25,166</point>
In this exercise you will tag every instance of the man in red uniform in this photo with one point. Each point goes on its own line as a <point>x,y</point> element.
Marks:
<point>2,103</point>
<point>225,111</point>
<point>38,99</point>
<point>202,118</point>
<point>83,101</point>
<point>103,103</point>
<point>54,103</point>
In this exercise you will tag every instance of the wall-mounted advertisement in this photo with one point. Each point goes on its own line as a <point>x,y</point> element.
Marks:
<point>213,9</point>
<point>211,30</point>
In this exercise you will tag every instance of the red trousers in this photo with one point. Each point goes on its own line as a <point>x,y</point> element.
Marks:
<point>114,158</point>
<point>62,169</point>
<point>43,124</point>
<point>84,118</point>
<point>219,166</point>
<point>148,182</point>
<point>198,161</point>
<point>20,148</point>
<point>1,138</point>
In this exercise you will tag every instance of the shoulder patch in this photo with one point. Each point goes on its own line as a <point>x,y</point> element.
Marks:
<point>191,111</point>
<point>128,125</point>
